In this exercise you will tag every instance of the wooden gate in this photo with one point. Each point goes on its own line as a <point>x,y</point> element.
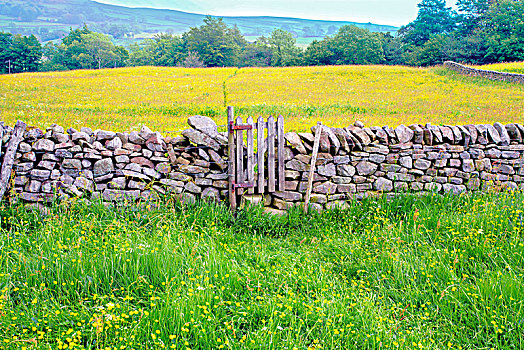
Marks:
<point>256,168</point>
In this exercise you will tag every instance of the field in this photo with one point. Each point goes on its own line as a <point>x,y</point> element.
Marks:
<point>412,273</point>
<point>516,67</point>
<point>162,98</point>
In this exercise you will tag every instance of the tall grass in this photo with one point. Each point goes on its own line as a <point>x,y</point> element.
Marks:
<point>427,272</point>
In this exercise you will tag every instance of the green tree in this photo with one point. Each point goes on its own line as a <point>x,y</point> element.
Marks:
<point>433,18</point>
<point>168,50</point>
<point>97,51</point>
<point>503,28</point>
<point>354,45</point>
<point>282,45</point>
<point>19,53</point>
<point>215,43</point>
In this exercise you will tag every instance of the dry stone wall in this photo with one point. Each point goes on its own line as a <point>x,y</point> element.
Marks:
<point>489,74</point>
<point>353,162</point>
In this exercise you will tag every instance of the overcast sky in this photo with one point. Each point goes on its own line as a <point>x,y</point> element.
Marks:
<point>394,12</point>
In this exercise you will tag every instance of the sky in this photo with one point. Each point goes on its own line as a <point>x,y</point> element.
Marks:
<point>393,12</point>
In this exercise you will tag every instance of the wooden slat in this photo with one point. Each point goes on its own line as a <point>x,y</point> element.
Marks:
<point>318,133</point>
<point>271,131</point>
<point>9,157</point>
<point>261,151</point>
<point>250,156</point>
<point>240,154</point>
<point>281,155</point>
<point>232,165</point>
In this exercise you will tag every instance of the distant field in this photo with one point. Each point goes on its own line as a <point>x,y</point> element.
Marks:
<point>516,67</point>
<point>163,98</point>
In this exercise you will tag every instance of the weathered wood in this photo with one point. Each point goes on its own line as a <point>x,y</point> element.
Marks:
<point>9,157</point>
<point>231,166</point>
<point>311,176</point>
<point>261,151</point>
<point>240,155</point>
<point>250,156</point>
<point>271,154</point>
<point>1,136</point>
<point>281,155</point>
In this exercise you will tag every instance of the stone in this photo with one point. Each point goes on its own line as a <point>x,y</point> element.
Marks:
<point>135,175</point>
<point>297,165</point>
<point>365,168</point>
<point>493,134</point>
<point>418,133</point>
<point>217,159</point>
<point>422,164</point>
<point>404,134</point>
<point>33,186</point>
<point>192,188</point>
<point>145,133</point>
<point>514,133</point>
<point>135,138</point>
<point>318,198</point>
<point>29,157</point>
<point>103,167</point>
<point>120,195</point>
<point>504,136</point>
<point>454,189</point>
<point>84,184</point>
<point>295,142</point>
<point>466,135</point>
<point>143,162</point>
<point>341,160</point>
<point>122,159</point>
<point>346,143</point>
<point>163,168</point>
<point>325,188</point>
<point>288,196</point>
<point>200,139</point>
<point>359,133</point>
<point>72,164</point>
<point>47,164</point>
<point>383,184</point>
<point>105,135</point>
<point>325,144</point>
<point>192,169</point>
<point>44,145</point>
<point>406,162</point>
<point>204,124</point>
<point>40,175</point>
<point>381,135</point>
<point>468,165</point>
<point>447,135</point>
<point>114,144</point>
<point>118,183</point>
<point>327,170</point>
<point>80,136</point>
<point>346,170</point>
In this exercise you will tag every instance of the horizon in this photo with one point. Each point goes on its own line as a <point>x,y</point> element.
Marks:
<point>393,12</point>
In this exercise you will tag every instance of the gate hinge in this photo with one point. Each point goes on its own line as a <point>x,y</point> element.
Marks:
<point>232,127</point>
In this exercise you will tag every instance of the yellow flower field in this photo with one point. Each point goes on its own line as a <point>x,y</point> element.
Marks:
<point>162,98</point>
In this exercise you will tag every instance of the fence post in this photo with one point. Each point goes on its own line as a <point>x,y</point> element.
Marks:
<point>9,157</point>
<point>312,166</point>
<point>232,158</point>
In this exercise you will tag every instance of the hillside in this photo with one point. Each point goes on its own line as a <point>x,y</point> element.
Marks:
<point>163,98</point>
<point>51,19</point>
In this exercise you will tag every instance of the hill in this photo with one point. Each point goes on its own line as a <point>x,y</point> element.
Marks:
<point>51,19</point>
<point>163,98</point>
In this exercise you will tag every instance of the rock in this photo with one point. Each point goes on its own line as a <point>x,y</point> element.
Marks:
<point>327,170</point>
<point>513,133</point>
<point>145,133</point>
<point>381,135</point>
<point>201,139</point>
<point>135,138</point>
<point>295,142</point>
<point>406,162</point>
<point>76,136</point>
<point>365,168</point>
<point>346,143</point>
<point>466,135</point>
<point>454,189</point>
<point>418,133</point>
<point>163,168</point>
<point>447,135</point>
<point>325,188</point>
<point>193,188</point>
<point>84,184</point>
<point>203,124</point>
<point>143,162</point>
<point>117,183</point>
<point>217,159</point>
<point>436,133</point>
<point>457,134</point>
<point>346,170</point>
<point>503,134</point>
<point>114,144</point>
<point>44,145</point>
<point>422,164</point>
<point>40,175</point>
<point>192,169</point>
<point>104,135</point>
<point>33,186</point>
<point>103,167</point>
<point>72,164</point>
<point>404,134</point>
<point>297,165</point>
<point>120,195</point>
<point>151,173</point>
<point>383,184</point>
<point>360,134</point>
<point>325,144</point>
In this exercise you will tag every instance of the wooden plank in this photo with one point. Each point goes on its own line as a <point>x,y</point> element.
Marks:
<point>271,167</point>
<point>250,157</point>
<point>281,155</point>
<point>261,151</point>
<point>231,166</point>
<point>9,157</point>
<point>313,166</point>
<point>240,155</point>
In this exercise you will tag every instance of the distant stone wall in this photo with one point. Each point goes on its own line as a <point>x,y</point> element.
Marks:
<point>353,162</point>
<point>493,75</point>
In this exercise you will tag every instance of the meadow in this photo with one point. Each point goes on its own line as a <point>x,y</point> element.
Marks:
<point>431,272</point>
<point>163,98</point>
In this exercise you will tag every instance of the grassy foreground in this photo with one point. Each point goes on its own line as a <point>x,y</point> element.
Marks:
<point>411,273</point>
<point>163,98</point>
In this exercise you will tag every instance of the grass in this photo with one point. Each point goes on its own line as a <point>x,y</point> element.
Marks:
<point>432,272</point>
<point>515,67</point>
<point>163,98</point>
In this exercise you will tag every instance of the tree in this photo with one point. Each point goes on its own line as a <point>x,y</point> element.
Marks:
<point>19,53</point>
<point>168,50</point>
<point>503,28</point>
<point>354,45</point>
<point>98,51</point>
<point>215,43</point>
<point>283,48</point>
<point>433,18</point>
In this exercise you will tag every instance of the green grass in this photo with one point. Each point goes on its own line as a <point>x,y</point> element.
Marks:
<point>428,272</point>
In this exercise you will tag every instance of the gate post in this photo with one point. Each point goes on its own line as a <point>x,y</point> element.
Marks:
<point>231,164</point>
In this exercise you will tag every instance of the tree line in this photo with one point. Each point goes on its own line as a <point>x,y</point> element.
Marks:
<point>478,32</point>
